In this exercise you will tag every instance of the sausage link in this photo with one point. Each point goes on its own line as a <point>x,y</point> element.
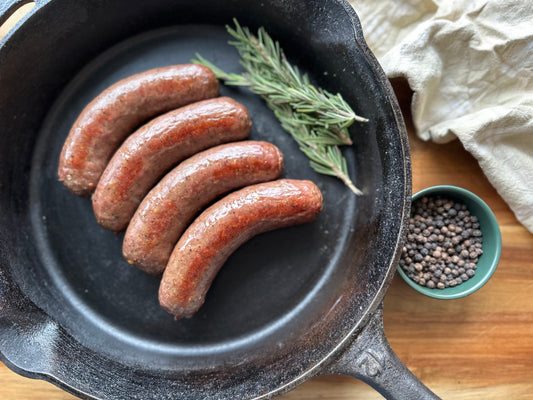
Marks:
<point>171,205</point>
<point>119,110</point>
<point>222,228</point>
<point>158,146</point>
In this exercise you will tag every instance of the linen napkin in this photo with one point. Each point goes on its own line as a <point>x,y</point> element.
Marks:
<point>470,65</point>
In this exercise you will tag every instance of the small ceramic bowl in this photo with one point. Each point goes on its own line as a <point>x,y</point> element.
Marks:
<point>492,243</point>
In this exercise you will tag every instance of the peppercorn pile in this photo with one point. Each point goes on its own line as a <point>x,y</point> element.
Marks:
<point>443,243</point>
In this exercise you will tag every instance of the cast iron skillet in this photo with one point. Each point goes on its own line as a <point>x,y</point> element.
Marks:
<point>287,306</point>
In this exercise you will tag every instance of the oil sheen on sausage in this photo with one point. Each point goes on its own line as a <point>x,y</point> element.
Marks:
<point>216,233</point>
<point>158,146</point>
<point>171,205</point>
<point>119,110</point>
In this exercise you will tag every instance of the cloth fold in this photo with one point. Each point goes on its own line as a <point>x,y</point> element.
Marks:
<point>470,65</point>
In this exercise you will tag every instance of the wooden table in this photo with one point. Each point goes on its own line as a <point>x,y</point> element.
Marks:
<point>478,347</point>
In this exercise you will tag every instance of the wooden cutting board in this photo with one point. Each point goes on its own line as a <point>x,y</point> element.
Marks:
<point>476,348</point>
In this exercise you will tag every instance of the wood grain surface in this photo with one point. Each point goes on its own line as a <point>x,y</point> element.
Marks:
<point>476,348</point>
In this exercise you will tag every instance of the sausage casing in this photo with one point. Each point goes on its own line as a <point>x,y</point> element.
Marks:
<point>222,228</point>
<point>157,147</point>
<point>170,206</point>
<point>119,110</point>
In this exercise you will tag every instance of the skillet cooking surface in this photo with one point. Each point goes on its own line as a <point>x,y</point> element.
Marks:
<point>281,304</point>
<point>264,282</point>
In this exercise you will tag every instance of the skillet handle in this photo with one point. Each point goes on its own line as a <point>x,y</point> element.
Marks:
<point>371,359</point>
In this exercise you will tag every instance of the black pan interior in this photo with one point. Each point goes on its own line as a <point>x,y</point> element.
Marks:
<point>265,279</point>
<point>283,301</point>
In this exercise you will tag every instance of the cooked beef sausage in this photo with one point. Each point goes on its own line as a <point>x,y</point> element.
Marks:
<point>158,146</point>
<point>170,206</point>
<point>119,110</point>
<point>222,228</point>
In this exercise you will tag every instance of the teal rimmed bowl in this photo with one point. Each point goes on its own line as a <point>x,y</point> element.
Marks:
<point>492,243</point>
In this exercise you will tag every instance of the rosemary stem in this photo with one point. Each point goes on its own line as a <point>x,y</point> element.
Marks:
<point>347,181</point>
<point>338,172</point>
<point>345,139</point>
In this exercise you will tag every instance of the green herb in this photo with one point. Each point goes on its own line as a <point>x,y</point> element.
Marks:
<point>315,118</point>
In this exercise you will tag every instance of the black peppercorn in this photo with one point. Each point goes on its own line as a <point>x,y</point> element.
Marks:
<point>443,245</point>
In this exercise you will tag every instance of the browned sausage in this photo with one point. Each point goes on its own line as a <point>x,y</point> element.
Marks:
<point>222,228</point>
<point>158,146</point>
<point>119,110</point>
<point>171,205</point>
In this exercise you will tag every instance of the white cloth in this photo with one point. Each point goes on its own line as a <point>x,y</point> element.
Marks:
<point>470,65</point>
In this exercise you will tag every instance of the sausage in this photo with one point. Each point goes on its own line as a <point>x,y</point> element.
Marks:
<point>158,146</point>
<point>119,110</point>
<point>222,228</point>
<point>171,205</point>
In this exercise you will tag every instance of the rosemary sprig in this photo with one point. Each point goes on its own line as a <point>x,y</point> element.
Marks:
<point>315,118</point>
<point>319,146</point>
